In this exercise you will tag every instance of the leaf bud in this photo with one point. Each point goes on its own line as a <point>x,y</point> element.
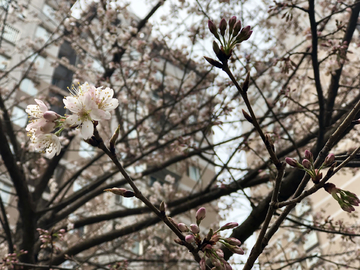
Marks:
<point>129,194</point>
<point>222,26</point>
<point>113,139</point>
<point>162,207</point>
<point>117,191</point>
<point>216,48</point>
<point>214,62</point>
<point>209,235</point>
<point>247,116</point>
<point>246,83</point>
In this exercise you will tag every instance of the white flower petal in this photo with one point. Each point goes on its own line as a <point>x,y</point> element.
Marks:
<point>87,129</point>
<point>73,120</point>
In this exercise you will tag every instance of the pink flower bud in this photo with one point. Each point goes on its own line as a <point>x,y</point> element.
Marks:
<point>233,241</point>
<point>51,116</point>
<point>213,29</point>
<point>229,225</point>
<point>306,163</point>
<point>309,155</point>
<point>237,250</point>
<point>347,208</point>
<point>190,238</point>
<point>237,28</point>
<point>202,264</point>
<point>215,238</point>
<point>194,228</point>
<point>329,159</point>
<point>220,253</point>
<point>232,22</point>
<point>292,162</point>
<point>200,214</point>
<point>222,26</point>
<point>182,227</point>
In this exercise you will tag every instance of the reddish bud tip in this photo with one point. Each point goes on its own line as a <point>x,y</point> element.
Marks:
<point>200,215</point>
<point>306,163</point>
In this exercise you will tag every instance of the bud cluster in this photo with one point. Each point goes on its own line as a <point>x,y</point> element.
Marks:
<point>11,259</point>
<point>307,165</point>
<point>346,199</point>
<point>229,34</point>
<point>208,244</point>
<point>48,239</point>
<point>87,104</point>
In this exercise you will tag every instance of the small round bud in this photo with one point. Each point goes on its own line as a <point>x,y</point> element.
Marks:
<point>182,227</point>
<point>306,163</point>
<point>190,238</point>
<point>329,159</point>
<point>200,214</point>
<point>194,228</point>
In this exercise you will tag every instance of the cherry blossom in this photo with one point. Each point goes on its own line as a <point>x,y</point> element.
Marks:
<point>44,120</point>
<point>47,143</point>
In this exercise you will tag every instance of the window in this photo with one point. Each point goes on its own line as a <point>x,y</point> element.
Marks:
<point>5,190</point>
<point>19,117</point>
<point>194,172</point>
<point>42,33</point>
<point>38,60</point>
<point>28,86</point>
<point>49,12</point>
<point>10,33</point>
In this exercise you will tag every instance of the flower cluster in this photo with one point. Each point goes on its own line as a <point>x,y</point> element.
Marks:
<point>307,165</point>
<point>228,38</point>
<point>48,239</point>
<point>346,199</point>
<point>11,259</point>
<point>86,103</point>
<point>208,244</point>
